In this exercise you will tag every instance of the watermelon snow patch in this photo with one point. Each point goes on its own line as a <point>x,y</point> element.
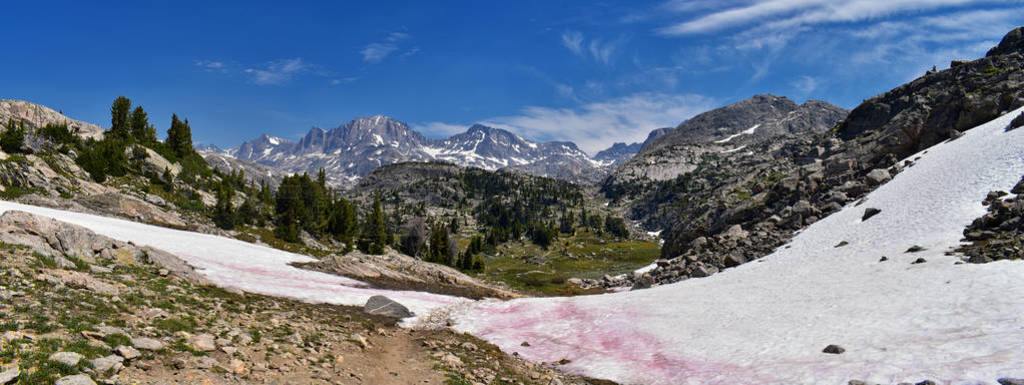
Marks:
<point>766,323</point>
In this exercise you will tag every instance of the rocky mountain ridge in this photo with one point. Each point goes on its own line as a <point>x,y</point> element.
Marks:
<point>730,210</point>
<point>728,131</point>
<point>350,151</point>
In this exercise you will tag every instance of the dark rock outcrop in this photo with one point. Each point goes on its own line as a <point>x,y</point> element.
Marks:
<point>381,305</point>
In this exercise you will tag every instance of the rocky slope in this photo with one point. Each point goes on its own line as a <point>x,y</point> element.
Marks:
<point>36,116</point>
<point>729,131</point>
<point>999,234</point>
<point>254,172</point>
<point>80,308</point>
<point>350,151</point>
<point>723,213</point>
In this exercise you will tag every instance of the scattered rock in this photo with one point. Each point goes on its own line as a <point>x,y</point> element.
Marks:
<point>78,379</point>
<point>914,249</point>
<point>842,243</point>
<point>878,176</point>
<point>108,365</point>
<point>525,344</point>
<point>883,259</point>
<point>919,260</point>
<point>381,305</point>
<point>144,343</point>
<point>1011,381</point>
<point>870,212</point>
<point>202,342</point>
<point>1017,122</point>
<point>237,367</point>
<point>66,358</point>
<point>833,349</point>
<point>9,375</point>
<point>451,360</point>
<point>128,352</point>
<point>926,382</point>
<point>361,341</point>
<point>1019,188</point>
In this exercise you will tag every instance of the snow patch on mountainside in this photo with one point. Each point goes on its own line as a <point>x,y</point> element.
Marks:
<point>767,322</point>
<point>749,131</point>
<point>232,263</point>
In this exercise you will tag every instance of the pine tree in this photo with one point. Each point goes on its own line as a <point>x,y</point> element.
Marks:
<point>141,130</point>
<point>179,137</point>
<point>374,235</point>
<point>223,214</point>
<point>119,122</point>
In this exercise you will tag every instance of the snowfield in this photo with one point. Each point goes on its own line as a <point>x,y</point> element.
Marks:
<point>767,322</point>
<point>241,265</point>
<point>764,322</point>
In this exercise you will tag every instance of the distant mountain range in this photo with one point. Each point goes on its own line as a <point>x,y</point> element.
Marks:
<point>354,149</point>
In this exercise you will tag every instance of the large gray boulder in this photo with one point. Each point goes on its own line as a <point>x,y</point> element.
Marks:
<point>381,305</point>
<point>78,379</point>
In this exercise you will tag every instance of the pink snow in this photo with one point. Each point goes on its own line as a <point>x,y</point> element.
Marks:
<point>766,322</point>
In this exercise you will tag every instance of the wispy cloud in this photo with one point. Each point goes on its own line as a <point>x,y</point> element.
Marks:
<point>377,51</point>
<point>806,84</point>
<point>600,50</point>
<point>595,126</point>
<point>796,13</point>
<point>211,65</point>
<point>853,37</point>
<point>573,41</point>
<point>439,129</point>
<point>277,72</point>
<point>345,80</point>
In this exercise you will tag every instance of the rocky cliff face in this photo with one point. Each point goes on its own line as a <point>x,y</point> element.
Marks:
<point>728,131</point>
<point>351,151</point>
<point>36,116</point>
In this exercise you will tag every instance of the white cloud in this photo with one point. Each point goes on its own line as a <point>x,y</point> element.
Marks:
<point>601,51</point>
<point>595,126</point>
<point>573,40</point>
<point>806,84</point>
<point>795,13</point>
<point>440,129</point>
<point>378,51</point>
<point>277,72</point>
<point>211,65</point>
<point>851,37</point>
<point>375,52</point>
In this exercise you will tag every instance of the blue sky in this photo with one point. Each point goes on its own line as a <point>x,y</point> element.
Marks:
<point>593,72</point>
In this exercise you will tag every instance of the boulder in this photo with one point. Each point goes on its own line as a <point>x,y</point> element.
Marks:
<point>1019,188</point>
<point>66,358</point>
<point>833,349</point>
<point>870,212</point>
<point>1011,381</point>
<point>78,379</point>
<point>202,342</point>
<point>9,375</point>
<point>144,343</point>
<point>878,176</point>
<point>128,352</point>
<point>381,305</point>
<point>108,366</point>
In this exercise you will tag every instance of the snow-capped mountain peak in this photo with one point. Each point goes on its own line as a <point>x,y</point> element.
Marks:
<point>353,149</point>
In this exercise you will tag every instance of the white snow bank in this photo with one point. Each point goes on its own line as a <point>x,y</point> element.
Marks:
<point>748,131</point>
<point>232,263</point>
<point>767,322</point>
